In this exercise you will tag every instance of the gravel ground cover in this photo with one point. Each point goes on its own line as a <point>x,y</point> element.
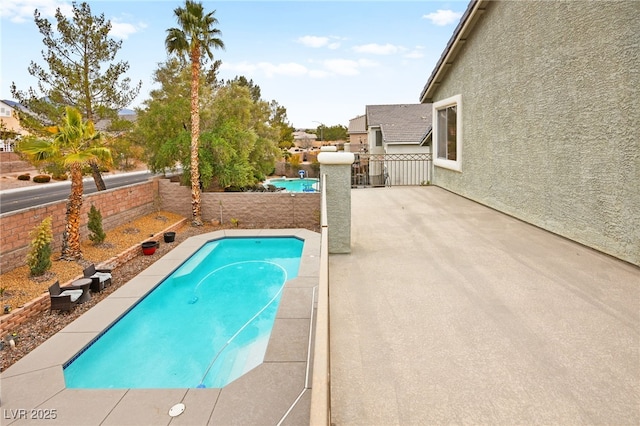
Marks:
<point>21,289</point>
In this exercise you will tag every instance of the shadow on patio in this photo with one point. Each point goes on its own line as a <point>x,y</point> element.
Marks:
<point>447,311</point>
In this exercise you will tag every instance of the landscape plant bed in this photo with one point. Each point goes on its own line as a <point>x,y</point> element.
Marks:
<point>20,288</point>
<point>42,326</point>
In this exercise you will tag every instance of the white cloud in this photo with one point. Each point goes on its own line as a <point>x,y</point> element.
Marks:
<point>315,69</point>
<point>240,67</point>
<point>341,66</point>
<point>267,68</point>
<point>346,67</point>
<point>317,42</point>
<point>19,11</point>
<point>318,73</point>
<point>378,49</point>
<point>416,53</point>
<point>123,29</point>
<point>289,69</point>
<point>443,17</point>
<point>313,41</point>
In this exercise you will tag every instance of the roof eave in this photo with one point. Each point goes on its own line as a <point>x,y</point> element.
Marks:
<point>459,37</point>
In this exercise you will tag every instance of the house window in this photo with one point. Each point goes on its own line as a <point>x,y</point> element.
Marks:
<point>378,138</point>
<point>447,125</point>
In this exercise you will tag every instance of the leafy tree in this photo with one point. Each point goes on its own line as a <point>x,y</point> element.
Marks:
<point>75,143</point>
<point>285,130</point>
<point>164,116</point>
<point>195,36</point>
<point>239,135</point>
<point>254,89</point>
<point>75,76</point>
<point>333,133</point>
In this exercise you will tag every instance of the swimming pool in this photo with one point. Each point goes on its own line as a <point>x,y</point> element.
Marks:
<point>296,184</point>
<point>204,325</point>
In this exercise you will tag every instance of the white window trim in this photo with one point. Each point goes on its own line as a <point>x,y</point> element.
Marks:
<point>443,162</point>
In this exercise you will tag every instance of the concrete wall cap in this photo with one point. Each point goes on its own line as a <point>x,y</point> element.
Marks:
<point>336,158</point>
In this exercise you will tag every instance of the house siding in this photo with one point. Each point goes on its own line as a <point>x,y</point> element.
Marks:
<point>550,113</point>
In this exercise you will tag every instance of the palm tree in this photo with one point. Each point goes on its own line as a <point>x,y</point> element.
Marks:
<point>75,144</point>
<point>195,37</point>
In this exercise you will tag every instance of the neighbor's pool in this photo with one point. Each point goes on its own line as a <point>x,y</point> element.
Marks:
<point>295,184</point>
<point>205,325</point>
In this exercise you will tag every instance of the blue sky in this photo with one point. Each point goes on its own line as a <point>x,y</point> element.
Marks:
<point>324,61</point>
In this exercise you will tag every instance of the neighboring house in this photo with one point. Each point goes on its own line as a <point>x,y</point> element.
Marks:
<point>357,132</point>
<point>10,128</point>
<point>536,113</point>
<point>396,129</point>
<point>304,140</point>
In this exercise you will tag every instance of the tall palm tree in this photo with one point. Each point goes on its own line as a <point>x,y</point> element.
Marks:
<point>197,36</point>
<point>75,144</point>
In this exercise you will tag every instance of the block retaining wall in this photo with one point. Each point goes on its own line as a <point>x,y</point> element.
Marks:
<point>9,322</point>
<point>251,209</point>
<point>117,206</point>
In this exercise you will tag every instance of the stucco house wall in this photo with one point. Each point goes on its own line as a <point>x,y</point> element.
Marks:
<point>551,118</point>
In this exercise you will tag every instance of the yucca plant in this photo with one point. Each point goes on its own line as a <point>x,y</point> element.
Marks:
<point>39,257</point>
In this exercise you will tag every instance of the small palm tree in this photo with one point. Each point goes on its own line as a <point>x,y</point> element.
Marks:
<point>195,37</point>
<point>75,144</point>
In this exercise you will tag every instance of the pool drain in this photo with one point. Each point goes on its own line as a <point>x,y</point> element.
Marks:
<point>176,410</point>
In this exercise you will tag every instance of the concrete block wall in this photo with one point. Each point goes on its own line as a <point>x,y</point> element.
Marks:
<point>251,209</point>
<point>118,206</point>
<point>10,162</point>
<point>285,169</point>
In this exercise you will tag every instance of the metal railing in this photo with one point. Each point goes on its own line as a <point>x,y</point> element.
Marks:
<point>370,170</point>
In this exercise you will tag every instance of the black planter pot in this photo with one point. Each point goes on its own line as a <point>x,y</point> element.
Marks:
<point>169,237</point>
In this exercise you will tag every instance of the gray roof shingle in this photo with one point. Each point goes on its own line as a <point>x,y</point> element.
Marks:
<point>401,123</point>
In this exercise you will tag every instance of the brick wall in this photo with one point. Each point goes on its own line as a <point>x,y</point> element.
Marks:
<point>10,162</point>
<point>251,209</point>
<point>118,206</point>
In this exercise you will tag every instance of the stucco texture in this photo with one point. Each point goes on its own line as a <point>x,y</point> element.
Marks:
<point>551,118</point>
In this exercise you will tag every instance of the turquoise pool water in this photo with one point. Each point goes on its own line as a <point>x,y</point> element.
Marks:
<point>296,184</point>
<point>205,325</point>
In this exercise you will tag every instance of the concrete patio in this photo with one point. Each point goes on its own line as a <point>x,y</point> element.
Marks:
<point>447,311</point>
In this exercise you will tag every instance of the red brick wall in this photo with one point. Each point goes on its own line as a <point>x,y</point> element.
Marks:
<point>251,209</point>
<point>118,206</point>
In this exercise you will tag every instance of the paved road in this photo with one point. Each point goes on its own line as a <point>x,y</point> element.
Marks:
<point>22,198</point>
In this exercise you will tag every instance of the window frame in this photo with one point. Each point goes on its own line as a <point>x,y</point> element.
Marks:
<point>439,106</point>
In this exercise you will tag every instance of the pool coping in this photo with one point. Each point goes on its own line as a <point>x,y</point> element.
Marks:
<point>278,389</point>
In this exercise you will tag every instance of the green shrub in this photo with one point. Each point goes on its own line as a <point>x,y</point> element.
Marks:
<point>96,234</point>
<point>39,257</point>
<point>24,177</point>
<point>41,178</point>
